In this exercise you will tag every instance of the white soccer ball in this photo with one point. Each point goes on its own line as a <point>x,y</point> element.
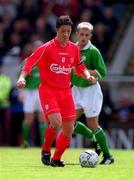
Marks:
<point>89,159</point>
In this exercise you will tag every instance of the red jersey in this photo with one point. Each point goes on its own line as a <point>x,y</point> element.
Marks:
<point>55,62</point>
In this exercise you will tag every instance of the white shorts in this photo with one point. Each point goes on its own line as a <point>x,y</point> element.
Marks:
<point>89,99</point>
<point>31,101</point>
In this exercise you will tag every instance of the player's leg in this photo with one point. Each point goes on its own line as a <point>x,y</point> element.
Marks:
<point>101,139</point>
<point>50,135</point>
<point>68,117</point>
<point>28,106</point>
<point>81,128</point>
<point>53,118</point>
<point>92,113</point>
<point>84,130</point>
<point>41,117</point>
<point>82,98</point>
<point>42,126</point>
<point>26,127</point>
<point>63,142</point>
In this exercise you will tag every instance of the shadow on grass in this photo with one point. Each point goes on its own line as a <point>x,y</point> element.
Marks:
<point>72,164</point>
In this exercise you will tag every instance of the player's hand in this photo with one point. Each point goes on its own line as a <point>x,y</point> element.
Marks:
<point>92,80</point>
<point>21,83</point>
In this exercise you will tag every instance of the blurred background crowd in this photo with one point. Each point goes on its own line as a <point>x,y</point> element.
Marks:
<point>24,22</point>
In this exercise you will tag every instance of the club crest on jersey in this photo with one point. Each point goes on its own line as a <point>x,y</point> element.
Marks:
<point>63,60</point>
<point>58,69</point>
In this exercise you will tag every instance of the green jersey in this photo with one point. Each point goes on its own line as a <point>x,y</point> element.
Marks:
<point>93,60</point>
<point>32,82</point>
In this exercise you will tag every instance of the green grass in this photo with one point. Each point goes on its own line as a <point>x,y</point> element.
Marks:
<point>21,164</point>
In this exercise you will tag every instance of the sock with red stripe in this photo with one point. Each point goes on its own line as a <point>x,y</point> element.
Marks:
<point>50,136</point>
<point>62,144</point>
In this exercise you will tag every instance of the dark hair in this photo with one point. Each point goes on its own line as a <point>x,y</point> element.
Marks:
<point>64,20</point>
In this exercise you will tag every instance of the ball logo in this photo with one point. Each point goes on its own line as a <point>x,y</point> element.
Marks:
<point>58,69</point>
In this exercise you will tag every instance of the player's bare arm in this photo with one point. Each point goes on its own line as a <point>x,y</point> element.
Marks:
<point>87,75</point>
<point>21,81</point>
<point>93,73</point>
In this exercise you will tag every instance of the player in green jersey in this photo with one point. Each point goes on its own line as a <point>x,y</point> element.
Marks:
<point>88,98</point>
<point>32,103</point>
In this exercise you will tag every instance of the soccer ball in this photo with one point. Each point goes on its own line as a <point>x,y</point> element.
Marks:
<point>89,159</point>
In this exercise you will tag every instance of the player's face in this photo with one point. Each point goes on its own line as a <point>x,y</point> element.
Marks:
<point>83,36</point>
<point>63,34</point>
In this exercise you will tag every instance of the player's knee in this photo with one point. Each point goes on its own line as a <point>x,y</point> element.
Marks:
<point>56,123</point>
<point>68,133</point>
<point>55,120</point>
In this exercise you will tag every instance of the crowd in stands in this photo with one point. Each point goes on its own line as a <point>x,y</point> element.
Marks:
<point>25,21</point>
<point>22,21</point>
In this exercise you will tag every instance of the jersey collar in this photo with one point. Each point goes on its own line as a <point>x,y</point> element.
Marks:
<point>87,46</point>
<point>58,43</point>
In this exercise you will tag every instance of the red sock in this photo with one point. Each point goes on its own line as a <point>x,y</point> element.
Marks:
<point>50,136</point>
<point>62,144</point>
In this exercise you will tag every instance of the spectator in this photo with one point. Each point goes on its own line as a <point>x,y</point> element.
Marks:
<point>108,107</point>
<point>28,9</point>
<point>17,116</point>
<point>125,109</point>
<point>7,7</point>
<point>18,33</point>
<point>110,20</point>
<point>101,38</point>
<point>5,87</point>
<point>43,29</point>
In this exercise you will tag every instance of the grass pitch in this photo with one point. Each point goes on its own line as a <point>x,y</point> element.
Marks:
<point>25,164</point>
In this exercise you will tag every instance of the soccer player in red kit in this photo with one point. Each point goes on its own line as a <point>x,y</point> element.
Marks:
<point>55,60</point>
